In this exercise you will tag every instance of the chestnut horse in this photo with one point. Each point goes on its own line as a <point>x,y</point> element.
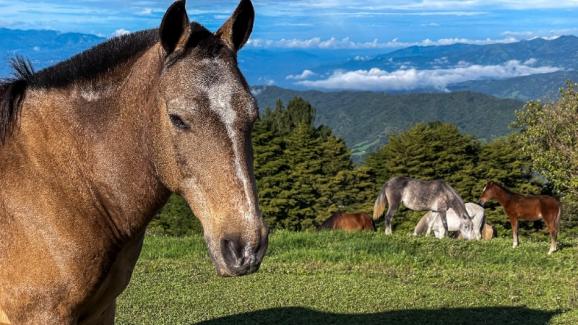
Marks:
<point>530,208</point>
<point>91,148</point>
<point>349,222</point>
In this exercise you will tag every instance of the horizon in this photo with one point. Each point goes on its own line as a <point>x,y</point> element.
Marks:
<point>326,44</point>
<point>323,24</point>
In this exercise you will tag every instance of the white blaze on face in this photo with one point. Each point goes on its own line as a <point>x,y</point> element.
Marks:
<point>221,97</point>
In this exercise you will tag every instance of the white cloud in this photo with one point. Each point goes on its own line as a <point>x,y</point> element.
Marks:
<point>120,32</point>
<point>146,12</point>
<point>409,79</point>
<point>306,74</point>
<point>434,4</point>
<point>348,43</point>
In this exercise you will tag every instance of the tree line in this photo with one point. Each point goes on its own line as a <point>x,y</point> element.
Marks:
<point>305,173</point>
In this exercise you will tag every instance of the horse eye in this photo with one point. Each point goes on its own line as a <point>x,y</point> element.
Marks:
<point>178,122</point>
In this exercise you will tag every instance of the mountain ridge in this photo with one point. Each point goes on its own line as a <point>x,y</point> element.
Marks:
<point>365,119</point>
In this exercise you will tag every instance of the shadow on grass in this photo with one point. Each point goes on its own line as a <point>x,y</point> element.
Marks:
<point>298,315</point>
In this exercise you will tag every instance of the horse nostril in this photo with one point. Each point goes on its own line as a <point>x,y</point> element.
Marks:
<point>232,252</point>
<point>240,256</point>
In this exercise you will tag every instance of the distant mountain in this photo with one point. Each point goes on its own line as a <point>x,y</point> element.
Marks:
<point>42,47</point>
<point>540,86</point>
<point>365,119</point>
<point>263,66</point>
<point>559,52</point>
<point>284,67</point>
<point>260,66</point>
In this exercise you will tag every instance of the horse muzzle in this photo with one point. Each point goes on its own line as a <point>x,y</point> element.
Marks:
<point>236,257</point>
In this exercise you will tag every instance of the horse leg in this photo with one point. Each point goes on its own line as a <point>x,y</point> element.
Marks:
<point>435,226</point>
<point>430,223</point>
<point>552,229</point>
<point>445,224</point>
<point>394,201</point>
<point>514,223</point>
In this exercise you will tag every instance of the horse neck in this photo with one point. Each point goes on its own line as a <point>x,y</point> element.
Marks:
<point>103,146</point>
<point>457,204</point>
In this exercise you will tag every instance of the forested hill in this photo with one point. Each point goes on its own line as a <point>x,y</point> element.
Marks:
<point>364,119</point>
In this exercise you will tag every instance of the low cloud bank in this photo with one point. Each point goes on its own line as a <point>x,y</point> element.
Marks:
<point>409,79</point>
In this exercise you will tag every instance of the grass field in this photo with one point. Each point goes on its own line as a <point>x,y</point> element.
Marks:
<point>339,278</point>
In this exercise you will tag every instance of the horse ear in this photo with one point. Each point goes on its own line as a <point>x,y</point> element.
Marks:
<point>237,29</point>
<point>175,28</point>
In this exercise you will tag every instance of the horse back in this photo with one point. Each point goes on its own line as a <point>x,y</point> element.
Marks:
<point>349,222</point>
<point>535,207</point>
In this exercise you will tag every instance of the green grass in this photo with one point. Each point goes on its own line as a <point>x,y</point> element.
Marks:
<point>339,278</point>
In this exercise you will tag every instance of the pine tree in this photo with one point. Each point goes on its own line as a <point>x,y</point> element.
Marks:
<point>304,173</point>
<point>429,151</point>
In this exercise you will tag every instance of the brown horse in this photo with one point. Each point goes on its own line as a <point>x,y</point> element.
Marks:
<point>91,148</point>
<point>531,208</point>
<point>349,222</point>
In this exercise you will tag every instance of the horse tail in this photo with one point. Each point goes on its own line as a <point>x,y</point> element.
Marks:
<point>380,203</point>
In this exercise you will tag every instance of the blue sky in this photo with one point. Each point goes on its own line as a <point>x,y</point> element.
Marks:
<point>318,23</point>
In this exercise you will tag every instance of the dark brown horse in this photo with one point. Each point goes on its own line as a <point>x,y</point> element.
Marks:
<point>91,148</point>
<point>349,222</point>
<point>530,208</point>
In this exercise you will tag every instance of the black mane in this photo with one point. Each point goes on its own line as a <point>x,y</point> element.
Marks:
<point>88,64</point>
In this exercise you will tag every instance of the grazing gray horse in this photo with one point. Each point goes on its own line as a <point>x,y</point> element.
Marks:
<point>418,195</point>
<point>431,222</point>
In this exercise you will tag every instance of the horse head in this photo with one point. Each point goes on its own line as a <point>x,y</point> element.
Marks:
<point>467,229</point>
<point>205,114</point>
<point>487,193</point>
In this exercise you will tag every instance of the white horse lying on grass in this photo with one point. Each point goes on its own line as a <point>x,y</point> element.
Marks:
<point>432,221</point>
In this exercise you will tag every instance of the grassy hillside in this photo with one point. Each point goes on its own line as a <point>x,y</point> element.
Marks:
<point>365,119</point>
<point>338,278</point>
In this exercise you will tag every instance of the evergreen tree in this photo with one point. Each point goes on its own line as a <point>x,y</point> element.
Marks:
<point>429,151</point>
<point>304,173</point>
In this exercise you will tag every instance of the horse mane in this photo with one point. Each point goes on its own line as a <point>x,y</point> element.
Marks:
<point>85,66</point>
<point>460,202</point>
<point>503,188</point>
